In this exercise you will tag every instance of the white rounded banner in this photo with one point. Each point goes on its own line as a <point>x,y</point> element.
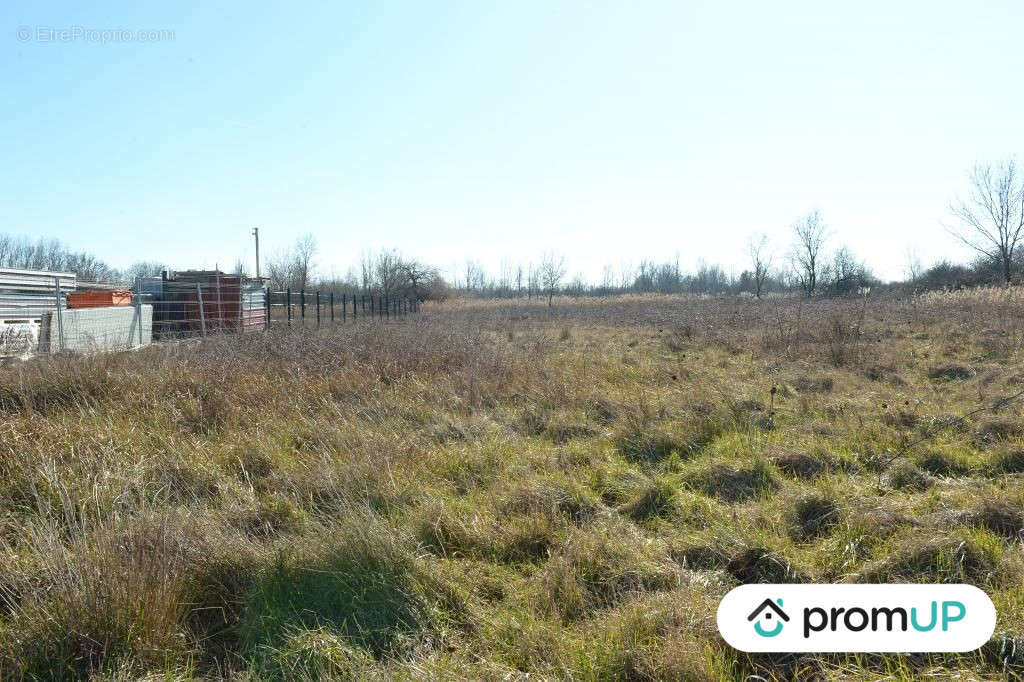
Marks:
<point>856,618</point>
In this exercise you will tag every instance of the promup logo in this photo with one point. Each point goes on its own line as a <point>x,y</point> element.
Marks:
<point>767,610</point>
<point>857,618</point>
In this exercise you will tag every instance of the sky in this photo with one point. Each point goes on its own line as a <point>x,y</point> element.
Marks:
<point>610,132</point>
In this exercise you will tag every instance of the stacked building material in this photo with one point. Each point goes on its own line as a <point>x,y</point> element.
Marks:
<point>26,294</point>
<point>99,299</point>
<point>25,297</point>
<point>200,302</point>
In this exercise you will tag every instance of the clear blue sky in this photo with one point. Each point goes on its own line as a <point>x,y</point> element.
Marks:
<point>609,131</point>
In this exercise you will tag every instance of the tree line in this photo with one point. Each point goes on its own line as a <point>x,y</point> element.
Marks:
<point>989,219</point>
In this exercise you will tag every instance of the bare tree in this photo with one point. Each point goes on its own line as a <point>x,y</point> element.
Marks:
<point>913,269</point>
<point>992,216</point>
<point>551,271</point>
<point>293,268</point>
<point>143,268</point>
<point>810,237</point>
<point>761,260</point>
<point>417,276</point>
<point>302,260</point>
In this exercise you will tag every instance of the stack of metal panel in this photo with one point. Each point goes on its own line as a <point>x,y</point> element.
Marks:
<point>194,302</point>
<point>26,294</point>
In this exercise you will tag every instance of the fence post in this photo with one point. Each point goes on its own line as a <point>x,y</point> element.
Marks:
<point>60,319</point>
<point>372,311</point>
<point>354,307</point>
<point>138,305</point>
<point>302,305</point>
<point>288,303</point>
<point>332,308</point>
<point>202,313</point>
<point>266,294</point>
<point>363,297</point>
<point>387,308</point>
<point>344,308</point>
<point>318,308</point>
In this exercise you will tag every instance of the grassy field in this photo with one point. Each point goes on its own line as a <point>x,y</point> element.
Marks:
<point>491,489</point>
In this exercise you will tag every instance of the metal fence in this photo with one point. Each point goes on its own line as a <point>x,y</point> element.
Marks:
<point>80,317</point>
<point>319,308</point>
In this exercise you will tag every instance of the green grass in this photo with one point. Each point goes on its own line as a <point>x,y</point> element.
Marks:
<point>493,489</point>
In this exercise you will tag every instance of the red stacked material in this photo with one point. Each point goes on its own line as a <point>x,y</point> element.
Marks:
<point>99,299</point>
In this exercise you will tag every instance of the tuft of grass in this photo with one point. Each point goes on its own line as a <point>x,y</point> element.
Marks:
<point>950,372</point>
<point>904,475</point>
<point>656,500</point>
<point>950,559</point>
<point>814,515</point>
<point>734,484</point>
<point>362,580</point>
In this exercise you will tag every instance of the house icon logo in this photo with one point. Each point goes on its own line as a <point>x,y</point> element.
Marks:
<point>769,618</point>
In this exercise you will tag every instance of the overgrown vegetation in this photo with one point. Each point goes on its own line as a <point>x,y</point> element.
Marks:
<point>491,489</point>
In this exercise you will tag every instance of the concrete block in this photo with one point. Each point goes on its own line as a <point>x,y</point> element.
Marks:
<point>92,330</point>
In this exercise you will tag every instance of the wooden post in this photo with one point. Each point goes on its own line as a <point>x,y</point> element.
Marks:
<point>318,309</point>
<point>302,305</point>
<point>332,307</point>
<point>288,303</point>
<point>344,308</point>
<point>266,294</point>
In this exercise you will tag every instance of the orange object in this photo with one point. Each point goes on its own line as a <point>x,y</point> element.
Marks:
<point>99,299</point>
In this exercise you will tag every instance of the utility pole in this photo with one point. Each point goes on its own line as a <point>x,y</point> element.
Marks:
<point>256,233</point>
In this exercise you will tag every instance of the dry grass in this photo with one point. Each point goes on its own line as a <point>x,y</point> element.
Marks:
<point>494,488</point>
